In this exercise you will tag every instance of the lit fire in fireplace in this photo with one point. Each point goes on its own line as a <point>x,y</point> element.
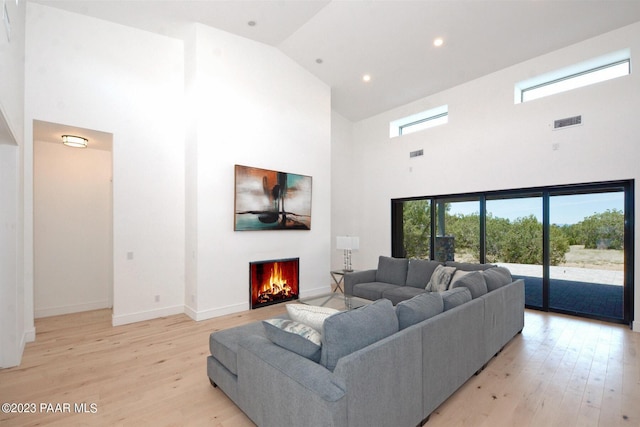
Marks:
<point>273,281</point>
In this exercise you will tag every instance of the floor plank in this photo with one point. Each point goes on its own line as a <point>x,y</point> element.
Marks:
<point>561,371</point>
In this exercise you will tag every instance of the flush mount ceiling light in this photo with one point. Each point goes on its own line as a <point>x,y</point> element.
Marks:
<point>74,141</point>
<point>437,42</point>
<point>366,78</point>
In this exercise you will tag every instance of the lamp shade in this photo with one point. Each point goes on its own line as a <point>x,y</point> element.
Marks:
<point>348,242</point>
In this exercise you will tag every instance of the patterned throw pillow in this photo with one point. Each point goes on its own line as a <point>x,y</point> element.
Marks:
<point>294,336</point>
<point>440,279</point>
<point>310,315</point>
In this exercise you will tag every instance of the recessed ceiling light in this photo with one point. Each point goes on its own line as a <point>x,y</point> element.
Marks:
<point>438,42</point>
<point>252,23</point>
<point>366,78</point>
<point>319,61</point>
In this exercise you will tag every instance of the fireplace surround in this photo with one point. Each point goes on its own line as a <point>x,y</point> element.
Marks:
<point>273,281</point>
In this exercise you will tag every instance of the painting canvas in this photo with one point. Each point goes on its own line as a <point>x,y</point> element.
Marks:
<point>271,200</point>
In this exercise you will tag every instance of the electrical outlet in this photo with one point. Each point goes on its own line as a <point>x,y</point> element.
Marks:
<point>157,298</point>
<point>129,255</point>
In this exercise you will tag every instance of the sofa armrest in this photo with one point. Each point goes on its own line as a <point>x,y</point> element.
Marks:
<point>277,387</point>
<point>355,277</point>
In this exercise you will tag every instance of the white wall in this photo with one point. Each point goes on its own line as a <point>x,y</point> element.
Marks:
<point>255,107</point>
<point>116,79</point>
<point>73,254</point>
<point>11,306</point>
<point>15,327</point>
<point>12,67</point>
<point>342,190</point>
<point>490,143</point>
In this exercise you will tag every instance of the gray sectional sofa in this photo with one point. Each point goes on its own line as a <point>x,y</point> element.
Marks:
<point>378,365</point>
<point>398,279</point>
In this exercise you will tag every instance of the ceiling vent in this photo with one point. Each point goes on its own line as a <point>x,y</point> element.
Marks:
<point>568,122</point>
<point>416,153</point>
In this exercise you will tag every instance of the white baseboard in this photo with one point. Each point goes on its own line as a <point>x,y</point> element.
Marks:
<point>315,292</point>
<point>67,309</point>
<point>635,326</point>
<point>29,336</point>
<point>141,316</point>
<point>217,312</point>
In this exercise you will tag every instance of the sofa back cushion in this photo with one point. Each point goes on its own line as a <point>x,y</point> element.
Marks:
<point>419,308</point>
<point>473,281</point>
<point>349,331</point>
<point>419,272</point>
<point>468,266</point>
<point>455,297</point>
<point>497,277</point>
<point>392,270</point>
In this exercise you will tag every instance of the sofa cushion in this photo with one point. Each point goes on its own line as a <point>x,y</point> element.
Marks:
<point>455,297</point>
<point>440,279</point>
<point>310,315</point>
<point>419,272</point>
<point>419,308</point>
<point>349,331</point>
<point>474,281</point>
<point>371,291</point>
<point>459,274</point>
<point>224,344</point>
<point>294,336</point>
<point>401,293</point>
<point>497,277</point>
<point>392,270</point>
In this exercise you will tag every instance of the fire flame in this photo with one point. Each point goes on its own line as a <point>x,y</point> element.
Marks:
<point>277,283</point>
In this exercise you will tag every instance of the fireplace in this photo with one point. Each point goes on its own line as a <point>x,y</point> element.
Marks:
<point>274,281</point>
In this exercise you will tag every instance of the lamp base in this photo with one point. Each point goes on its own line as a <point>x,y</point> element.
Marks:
<point>347,260</point>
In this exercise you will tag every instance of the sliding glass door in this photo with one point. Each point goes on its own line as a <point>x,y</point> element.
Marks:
<point>514,234</point>
<point>572,245</point>
<point>586,274</point>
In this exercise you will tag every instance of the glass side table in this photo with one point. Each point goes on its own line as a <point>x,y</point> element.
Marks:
<point>338,278</point>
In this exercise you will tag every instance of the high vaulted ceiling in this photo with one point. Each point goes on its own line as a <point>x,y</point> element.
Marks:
<point>341,40</point>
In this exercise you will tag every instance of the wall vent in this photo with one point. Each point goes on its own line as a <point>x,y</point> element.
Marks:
<point>416,153</point>
<point>569,121</point>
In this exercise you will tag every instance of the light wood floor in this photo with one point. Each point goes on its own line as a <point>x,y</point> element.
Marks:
<point>560,371</point>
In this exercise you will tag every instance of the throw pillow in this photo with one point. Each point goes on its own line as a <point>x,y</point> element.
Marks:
<point>440,279</point>
<point>310,315</point>
<point>419,308</point>
<point>474,281</point>
<point>420,271</point>
<point>392,270</point>
<point>497,277</point>
<point>350,331</point>
<point>455,297</point>
<point>457,276</point>
<point>294,336</point>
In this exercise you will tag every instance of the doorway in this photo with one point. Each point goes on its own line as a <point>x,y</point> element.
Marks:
<point>73,221</point>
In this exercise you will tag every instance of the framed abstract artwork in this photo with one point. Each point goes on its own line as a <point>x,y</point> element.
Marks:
<point>271,200</point>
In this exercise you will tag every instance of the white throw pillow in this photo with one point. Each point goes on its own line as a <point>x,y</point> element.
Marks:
<point>310,315</point>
